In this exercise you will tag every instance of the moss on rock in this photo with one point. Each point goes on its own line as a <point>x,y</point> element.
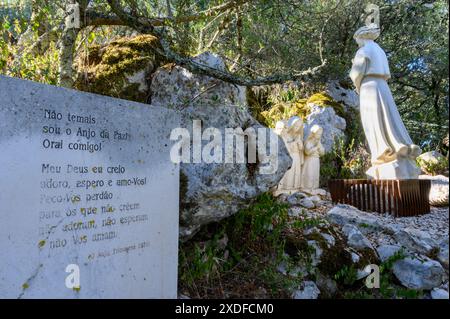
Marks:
<point>120,68</point>
<point>323,99</point>
<point>300,107</point>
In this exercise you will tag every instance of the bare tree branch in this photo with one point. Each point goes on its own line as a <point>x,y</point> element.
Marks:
<point>145,26</point>
<point>200,15</point>
<point>95,18</point>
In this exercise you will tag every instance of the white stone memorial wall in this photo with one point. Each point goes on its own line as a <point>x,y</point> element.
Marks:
<point>88,195</point>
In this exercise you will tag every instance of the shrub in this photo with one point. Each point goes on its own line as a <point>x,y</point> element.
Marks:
<point>22,64</point>
<point>283,103</point>
<point>346,160</point>
<point>248,258</point>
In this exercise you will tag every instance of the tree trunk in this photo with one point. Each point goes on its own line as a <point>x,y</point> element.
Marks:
<point>66,51</point>
<point>66,57</point>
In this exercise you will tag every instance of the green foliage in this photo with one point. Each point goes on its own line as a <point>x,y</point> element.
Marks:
<point>387,265</point>
<point>283,103</point>
<point>264,37</point>
<point>252,251</point>
<point>389,288</point>
<point>204,261</point>
<point>347,161</point>
<point>305,222</point>
<point>347,275</point>
<point>265,219</point>
<point>104,69</point>
<point>22,64</point>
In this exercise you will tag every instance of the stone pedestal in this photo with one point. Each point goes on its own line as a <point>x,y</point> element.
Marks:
<point>402,168</point>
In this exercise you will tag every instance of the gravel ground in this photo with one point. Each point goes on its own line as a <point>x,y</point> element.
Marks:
<point>436,223</point>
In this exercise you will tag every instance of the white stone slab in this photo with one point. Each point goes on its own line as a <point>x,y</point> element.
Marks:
<point>47,198</point>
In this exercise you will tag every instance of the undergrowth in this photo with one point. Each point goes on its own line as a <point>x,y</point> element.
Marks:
<point>239,256</point>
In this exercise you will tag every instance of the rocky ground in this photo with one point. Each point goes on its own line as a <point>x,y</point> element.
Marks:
<point>305,247</point>
<point>421,241</point>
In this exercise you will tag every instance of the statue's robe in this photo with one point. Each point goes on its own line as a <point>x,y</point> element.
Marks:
<point>386,134</point>
<point>292,178</point>
<point>311,167</point>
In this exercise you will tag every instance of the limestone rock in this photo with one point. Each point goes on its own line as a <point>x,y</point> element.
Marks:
<point>210,59</point>
<point>346,96</point>
<point>308,290</point>
<point>387,251</point>
<point>332,124</point>
<point>355,238</point>
<point>295,271</point>
<point>294,212</point>
<point>295,199</point>
<point>355,257</point>
<point>345,214</point>
<point>177,88</point>
<point>210,192</point>
<point>429,158</point>
<point>328,287</point>
<point>439,294</point>
<point>443,253</point>
<point>121,68</point>
<point>316,200</point>
<point>331,241</point>
<point>439,189</point>
<point>307,203</point>
<point>419,274</point>
<point>362,273</point>
<point>415,240</point>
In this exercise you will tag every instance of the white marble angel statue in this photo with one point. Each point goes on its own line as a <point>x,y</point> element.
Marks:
<point>313,149</point>
<point>392,151</point>
<point>291,132</point>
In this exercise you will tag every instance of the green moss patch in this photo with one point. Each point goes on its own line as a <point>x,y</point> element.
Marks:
<point>285,107</point>
<point>106,69</point>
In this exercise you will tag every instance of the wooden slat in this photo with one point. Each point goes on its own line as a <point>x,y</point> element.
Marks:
<point>389,194</point>
<point>363,196</point>
<point>398,197</point>
<point>394,202</point>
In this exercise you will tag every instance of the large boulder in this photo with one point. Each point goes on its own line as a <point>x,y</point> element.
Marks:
<point>333,125</point>
<point>415,240</point>
<point>345,214</point>
<point>387,251</point>
<point>213,191</point>
<point>433,163</point>
<point>121,68</point>
<point>439,189</point>
<point>420,274</point>
<point>343,94</point>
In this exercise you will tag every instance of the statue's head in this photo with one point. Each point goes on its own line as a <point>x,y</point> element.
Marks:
<point>295,125</point>
<point>316,131</point>
<point>280,126</point>
<point>367,32</point>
